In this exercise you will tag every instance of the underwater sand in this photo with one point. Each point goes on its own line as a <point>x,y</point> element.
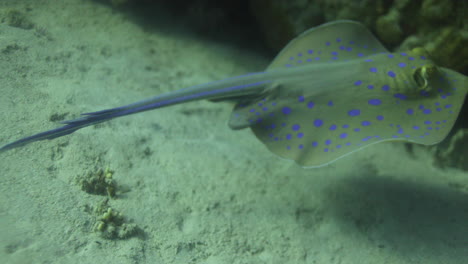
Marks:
<point>197,191</point>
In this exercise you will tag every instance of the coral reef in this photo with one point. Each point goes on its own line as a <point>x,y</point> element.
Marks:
<point>111,224</point>
<point>438,26</point>
<point>98,182</point>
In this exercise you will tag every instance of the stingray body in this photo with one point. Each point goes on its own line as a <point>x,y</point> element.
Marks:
<point>331,91</point>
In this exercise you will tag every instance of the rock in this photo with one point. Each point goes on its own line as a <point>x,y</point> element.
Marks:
<point>456,154</point>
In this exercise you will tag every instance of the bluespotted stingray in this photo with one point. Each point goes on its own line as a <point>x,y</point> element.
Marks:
<point>331,91</point>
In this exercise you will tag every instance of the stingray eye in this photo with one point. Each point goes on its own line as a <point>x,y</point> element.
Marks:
<point>419,76</point>
<point>425,76</point>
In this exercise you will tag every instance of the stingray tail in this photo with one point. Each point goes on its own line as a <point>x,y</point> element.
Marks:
<point>210,91</point>
<point>70,126</point>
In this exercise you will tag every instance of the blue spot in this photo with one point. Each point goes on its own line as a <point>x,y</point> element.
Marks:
<point>345,126</point>
<point>310,104</point>
<point>260,104</point>
<point>366,138</point>
<point>300,135</point>
<point>424,93</point>
<point>370,86</point>
<point>286,110</point>
<point>403,54</point>
<point>318,122</point>
<point>448,106</point>
<point>360,54</point>
<point>334,53</point>
<point>338,40</point>
<point>391,74</point>
<point>415,127</point>
<point>390,55</point>
<point>421,107</point>
<point>400,131</point>
<point>348,143</point>
<point>401,64</point>
<point>354,112</point>
<point>301,98</point>
<point>273,126</point>
<point>338,146</point>
<point>291,58</point>
<point>301,146</point>
<point>410,58</point>
<point>265,109</point>
<point>427,122</point>
<point>385,87</point>
<point>299,61</point>
<point>427,111</point>
<point>325,149</point>
<point>327,43</point>
<point>368,60</point>
<point>374,101</point>
<point>357,129</point>
<point>373,69</point>
<point>310,51</point>
<point>288,136</point>
<point>288,147</point>
<point>365,123</point>
<point>349,49</point>
<point>357,83</point>
<point>423,57</point>
<point>314,144</point>
<point>409,111</point>
<point>252,110</point>
<point>296,127</point>
<point>332,127</point>
<point>380,118</point>
<point>400,96</point>
<point>330,103</point>
<point>327,142</point>
<point>343,135</point>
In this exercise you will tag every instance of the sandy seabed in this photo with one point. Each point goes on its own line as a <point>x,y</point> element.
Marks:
<point>190,189</point>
